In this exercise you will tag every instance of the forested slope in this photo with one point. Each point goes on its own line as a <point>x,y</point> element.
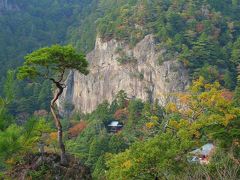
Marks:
<point>155,142</point>
<point>204,35</point>
<point>28,25</point>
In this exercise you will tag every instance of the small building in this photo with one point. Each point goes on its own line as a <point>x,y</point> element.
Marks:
<point>203,154</point>
<point>115,126</point>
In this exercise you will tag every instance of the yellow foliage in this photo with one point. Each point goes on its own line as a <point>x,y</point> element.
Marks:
<point>183,123</point>
<point>154,118</point>
<point>184,98</point>
<point>150,125</point>
<point>174,124</point>
<point>11,161</point>
<point>196,125</point>
<point>172,108</point>
<point>53,136</point>
<point>197,85</point>
<point>208,86</point>
<point>203,105</point>
<point>197,134</point>
<point>228,118</point>
<point>127,164</point>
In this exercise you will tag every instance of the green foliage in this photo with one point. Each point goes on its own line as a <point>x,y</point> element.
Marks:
<point>9,86</point>
<point>125,59</point>
<point>117,144</point>
<point>154,141</point>
<point>135,108</point>
<point>43,94</point>
<point>81,145</point>
<point>203,33</point>
<point>209,115</point>
<point>98,147</point>
<point>24,96</point>
<point>52,61</point>
<point>100,168</point>
<point>150,159</point>
<point>41,172</point>
<point>210,73</point>
<point>5,118</point>
<point>235,56</point>
<point>228,80</point>
<point>237,96</point>
<point>33,24</point>
<point>16,141</point>
<point>30,25</point>
<point>222,166</point>
<point>95,143</point>
<point>121,99</point>
<point>10,142</point>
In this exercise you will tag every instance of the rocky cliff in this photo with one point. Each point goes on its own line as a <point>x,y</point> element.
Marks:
<point>116,66</point>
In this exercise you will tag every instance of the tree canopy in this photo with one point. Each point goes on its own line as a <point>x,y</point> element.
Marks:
<point>52,61</point>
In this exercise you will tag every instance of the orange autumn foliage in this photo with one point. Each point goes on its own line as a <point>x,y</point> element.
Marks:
<point>53,136</point>
<point>77,129</point>
<point>227,95</point>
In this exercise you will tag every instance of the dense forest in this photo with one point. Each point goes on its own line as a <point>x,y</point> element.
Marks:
<point>29,25</point>
<point>152,141</point>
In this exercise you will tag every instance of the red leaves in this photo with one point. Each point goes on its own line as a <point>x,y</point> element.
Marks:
<point>77,129</point>
<point>227,95</point>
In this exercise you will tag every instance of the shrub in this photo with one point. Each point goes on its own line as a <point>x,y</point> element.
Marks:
<point>77,129</point>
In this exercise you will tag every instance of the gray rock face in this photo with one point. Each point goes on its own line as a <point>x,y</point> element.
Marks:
<point>139,75</point>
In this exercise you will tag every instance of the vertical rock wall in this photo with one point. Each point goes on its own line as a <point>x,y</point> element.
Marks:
<point>114,66</point>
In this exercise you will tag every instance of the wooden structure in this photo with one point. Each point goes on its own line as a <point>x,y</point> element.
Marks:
<point>115,127</point>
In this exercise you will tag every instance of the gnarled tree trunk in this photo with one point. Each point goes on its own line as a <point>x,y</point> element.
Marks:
<point>58,123</point>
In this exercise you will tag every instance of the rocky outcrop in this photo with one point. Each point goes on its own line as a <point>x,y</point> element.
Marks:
<point>48,166</point>
<point>115,66</point>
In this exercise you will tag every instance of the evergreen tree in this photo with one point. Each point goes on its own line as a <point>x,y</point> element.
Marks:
<point>117,144</point>
<point>52,63</point>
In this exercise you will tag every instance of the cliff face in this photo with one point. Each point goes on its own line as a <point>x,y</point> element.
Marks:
<point>114,66</point>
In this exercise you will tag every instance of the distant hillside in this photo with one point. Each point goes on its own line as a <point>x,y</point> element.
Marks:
<point>202,33</point>
<point>29,24</point>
